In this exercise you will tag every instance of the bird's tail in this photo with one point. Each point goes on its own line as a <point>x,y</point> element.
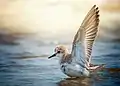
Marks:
<point>96,67</point>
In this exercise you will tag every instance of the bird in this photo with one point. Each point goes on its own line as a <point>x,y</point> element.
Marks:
<point>77,63</point>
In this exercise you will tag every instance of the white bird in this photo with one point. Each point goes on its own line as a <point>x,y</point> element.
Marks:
<point>78,62</point>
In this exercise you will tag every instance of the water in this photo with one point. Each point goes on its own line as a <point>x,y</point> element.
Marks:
<point>17,71</point>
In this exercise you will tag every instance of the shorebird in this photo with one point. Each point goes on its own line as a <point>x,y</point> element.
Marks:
<point>78,62</point>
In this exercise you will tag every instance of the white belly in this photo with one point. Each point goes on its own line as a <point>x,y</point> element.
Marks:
<point>74,70</point>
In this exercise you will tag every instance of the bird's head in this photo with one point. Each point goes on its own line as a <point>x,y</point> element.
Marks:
<point>60,51</point>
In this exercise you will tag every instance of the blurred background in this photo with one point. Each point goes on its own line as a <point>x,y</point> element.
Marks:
<point>32,28</point>
<point>52,20</point>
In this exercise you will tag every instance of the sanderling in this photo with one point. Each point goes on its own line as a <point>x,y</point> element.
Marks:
<point>78,62</point>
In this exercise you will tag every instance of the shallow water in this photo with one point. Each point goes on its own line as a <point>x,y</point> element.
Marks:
<point>17,71</point>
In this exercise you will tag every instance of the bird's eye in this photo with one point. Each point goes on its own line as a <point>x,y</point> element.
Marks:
<point>58,52</point>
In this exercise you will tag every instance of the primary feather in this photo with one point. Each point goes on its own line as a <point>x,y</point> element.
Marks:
<point>85,35</point>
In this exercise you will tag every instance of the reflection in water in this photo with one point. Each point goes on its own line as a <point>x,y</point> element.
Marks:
<point>75,82</point>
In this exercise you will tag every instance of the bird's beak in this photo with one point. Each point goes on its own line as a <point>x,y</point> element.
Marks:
<point>52,55</point>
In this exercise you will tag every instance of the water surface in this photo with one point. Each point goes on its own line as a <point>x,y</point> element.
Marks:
<point>40,71</point>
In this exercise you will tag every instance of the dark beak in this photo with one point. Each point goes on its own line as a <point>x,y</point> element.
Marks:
<point>52,55</point>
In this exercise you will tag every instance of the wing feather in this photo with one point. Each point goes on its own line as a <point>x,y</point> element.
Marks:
<point>86,34</point>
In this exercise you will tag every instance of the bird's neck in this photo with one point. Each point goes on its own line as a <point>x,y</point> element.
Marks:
<point>65,58</point>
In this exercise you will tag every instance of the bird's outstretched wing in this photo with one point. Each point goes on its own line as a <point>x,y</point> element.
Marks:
<point>85,36</point>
